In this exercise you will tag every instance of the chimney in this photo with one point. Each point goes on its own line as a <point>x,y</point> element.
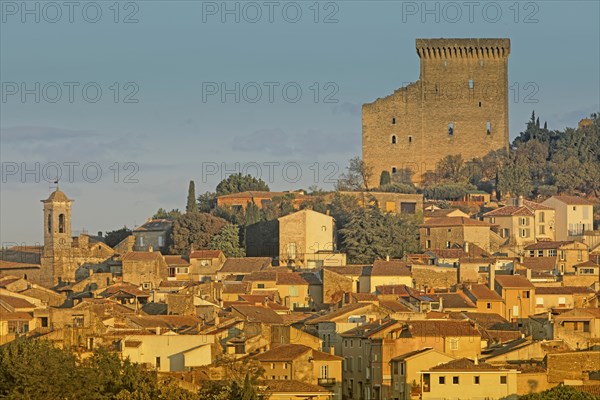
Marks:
<point>549,315</point>
<point>466,247</point>
<point>528,274</point>
<point>520,201</point>
<point>492,276</point>
<point>157,329</point>
<point>387,258</point>
<point>332,350</point>
<point>150,249</point>
<point>476,361</point>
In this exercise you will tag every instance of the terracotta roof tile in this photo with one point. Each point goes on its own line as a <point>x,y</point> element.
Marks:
<point>390,268</point>
<point>455,300</point>
<point>514,281</point>
<point>6,265</point>
<point>453,221</point>
<point>254,313</point>
<point>176,260</point>
<point>347,309</point>
<point>574,200</point>
<point>463,364</point>
<point>540,263</point>
<point>206,254</point>
<point>245,265</point>
<point>290,278</point>
<point>563,290</point>
<point>293,386</point>
<point>544,245</point>
<point>482,292</point>
<point>142,256</point>
<point>16,302</point>
<point>509,211</point>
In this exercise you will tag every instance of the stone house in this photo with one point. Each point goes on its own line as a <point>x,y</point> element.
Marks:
<point>178,269</point>
<point>169,352</point>
<point>204,264</point>
<point>523,224</point>
<point>304,364</point>
<point>144,268</point>
<point>154,233</point>
<point>567,253</point>
<point>466,379</point>
<point>307,239</point>
<point>400,203</point>
<point>328,326</point>
<point>406,370</point>
<point>295,390</point>
<point>579,327</point>
<point>444,212</point>
<point>447,232</point>
<point>518,295</point>
<point>485,299</point>
<point>369,349</point>
<point>292,288</point>
<point>548,298</point>
<point>237,268</point>
<point>347,279</point>
<point>574,216</point>
<point>260,198</point>
<point>390,272</point>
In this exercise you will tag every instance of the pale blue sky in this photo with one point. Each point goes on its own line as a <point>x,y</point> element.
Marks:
<point>170,133</point>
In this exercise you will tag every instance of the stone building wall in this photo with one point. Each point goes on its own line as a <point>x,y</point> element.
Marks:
<point>463,82</point>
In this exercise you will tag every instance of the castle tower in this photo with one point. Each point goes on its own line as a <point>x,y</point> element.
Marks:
<point>57,223</point>
<point>458,106</point>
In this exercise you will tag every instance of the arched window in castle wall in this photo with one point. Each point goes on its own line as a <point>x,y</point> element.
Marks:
<point>50,223</point>
<point>393,121</point>
<point>393,139</point>
<point>61,223</point>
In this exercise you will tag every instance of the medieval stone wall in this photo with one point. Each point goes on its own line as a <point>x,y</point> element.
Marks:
<point>463,85</point>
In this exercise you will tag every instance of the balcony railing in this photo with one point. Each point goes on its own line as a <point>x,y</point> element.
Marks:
<point>326,381</point>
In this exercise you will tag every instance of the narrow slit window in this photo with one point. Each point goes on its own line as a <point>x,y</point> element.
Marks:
<point>410,139</point>
<point>488,127</point>
<point>451,129</point>
<point>479,104</point>
<point>394,170</point>
<point>393,139</point>
<point>393,121</point>
<point>471,84</point>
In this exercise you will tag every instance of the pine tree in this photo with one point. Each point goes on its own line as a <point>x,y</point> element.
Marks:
<point>191,206</point>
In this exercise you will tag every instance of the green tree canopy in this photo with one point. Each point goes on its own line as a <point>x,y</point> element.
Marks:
<point>228,241</point>
<point>194,229</point>
<point>371,234</point>
<point>238,183</point>
<point>192,205</point>
<point>560,393</point>
<point>115,237</point>
<point>164,214</point>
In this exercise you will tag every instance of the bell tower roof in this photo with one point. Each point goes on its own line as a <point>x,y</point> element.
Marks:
<point>57,196</point>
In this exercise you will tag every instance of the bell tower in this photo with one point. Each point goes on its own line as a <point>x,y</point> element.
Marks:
<point>57,223</point>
